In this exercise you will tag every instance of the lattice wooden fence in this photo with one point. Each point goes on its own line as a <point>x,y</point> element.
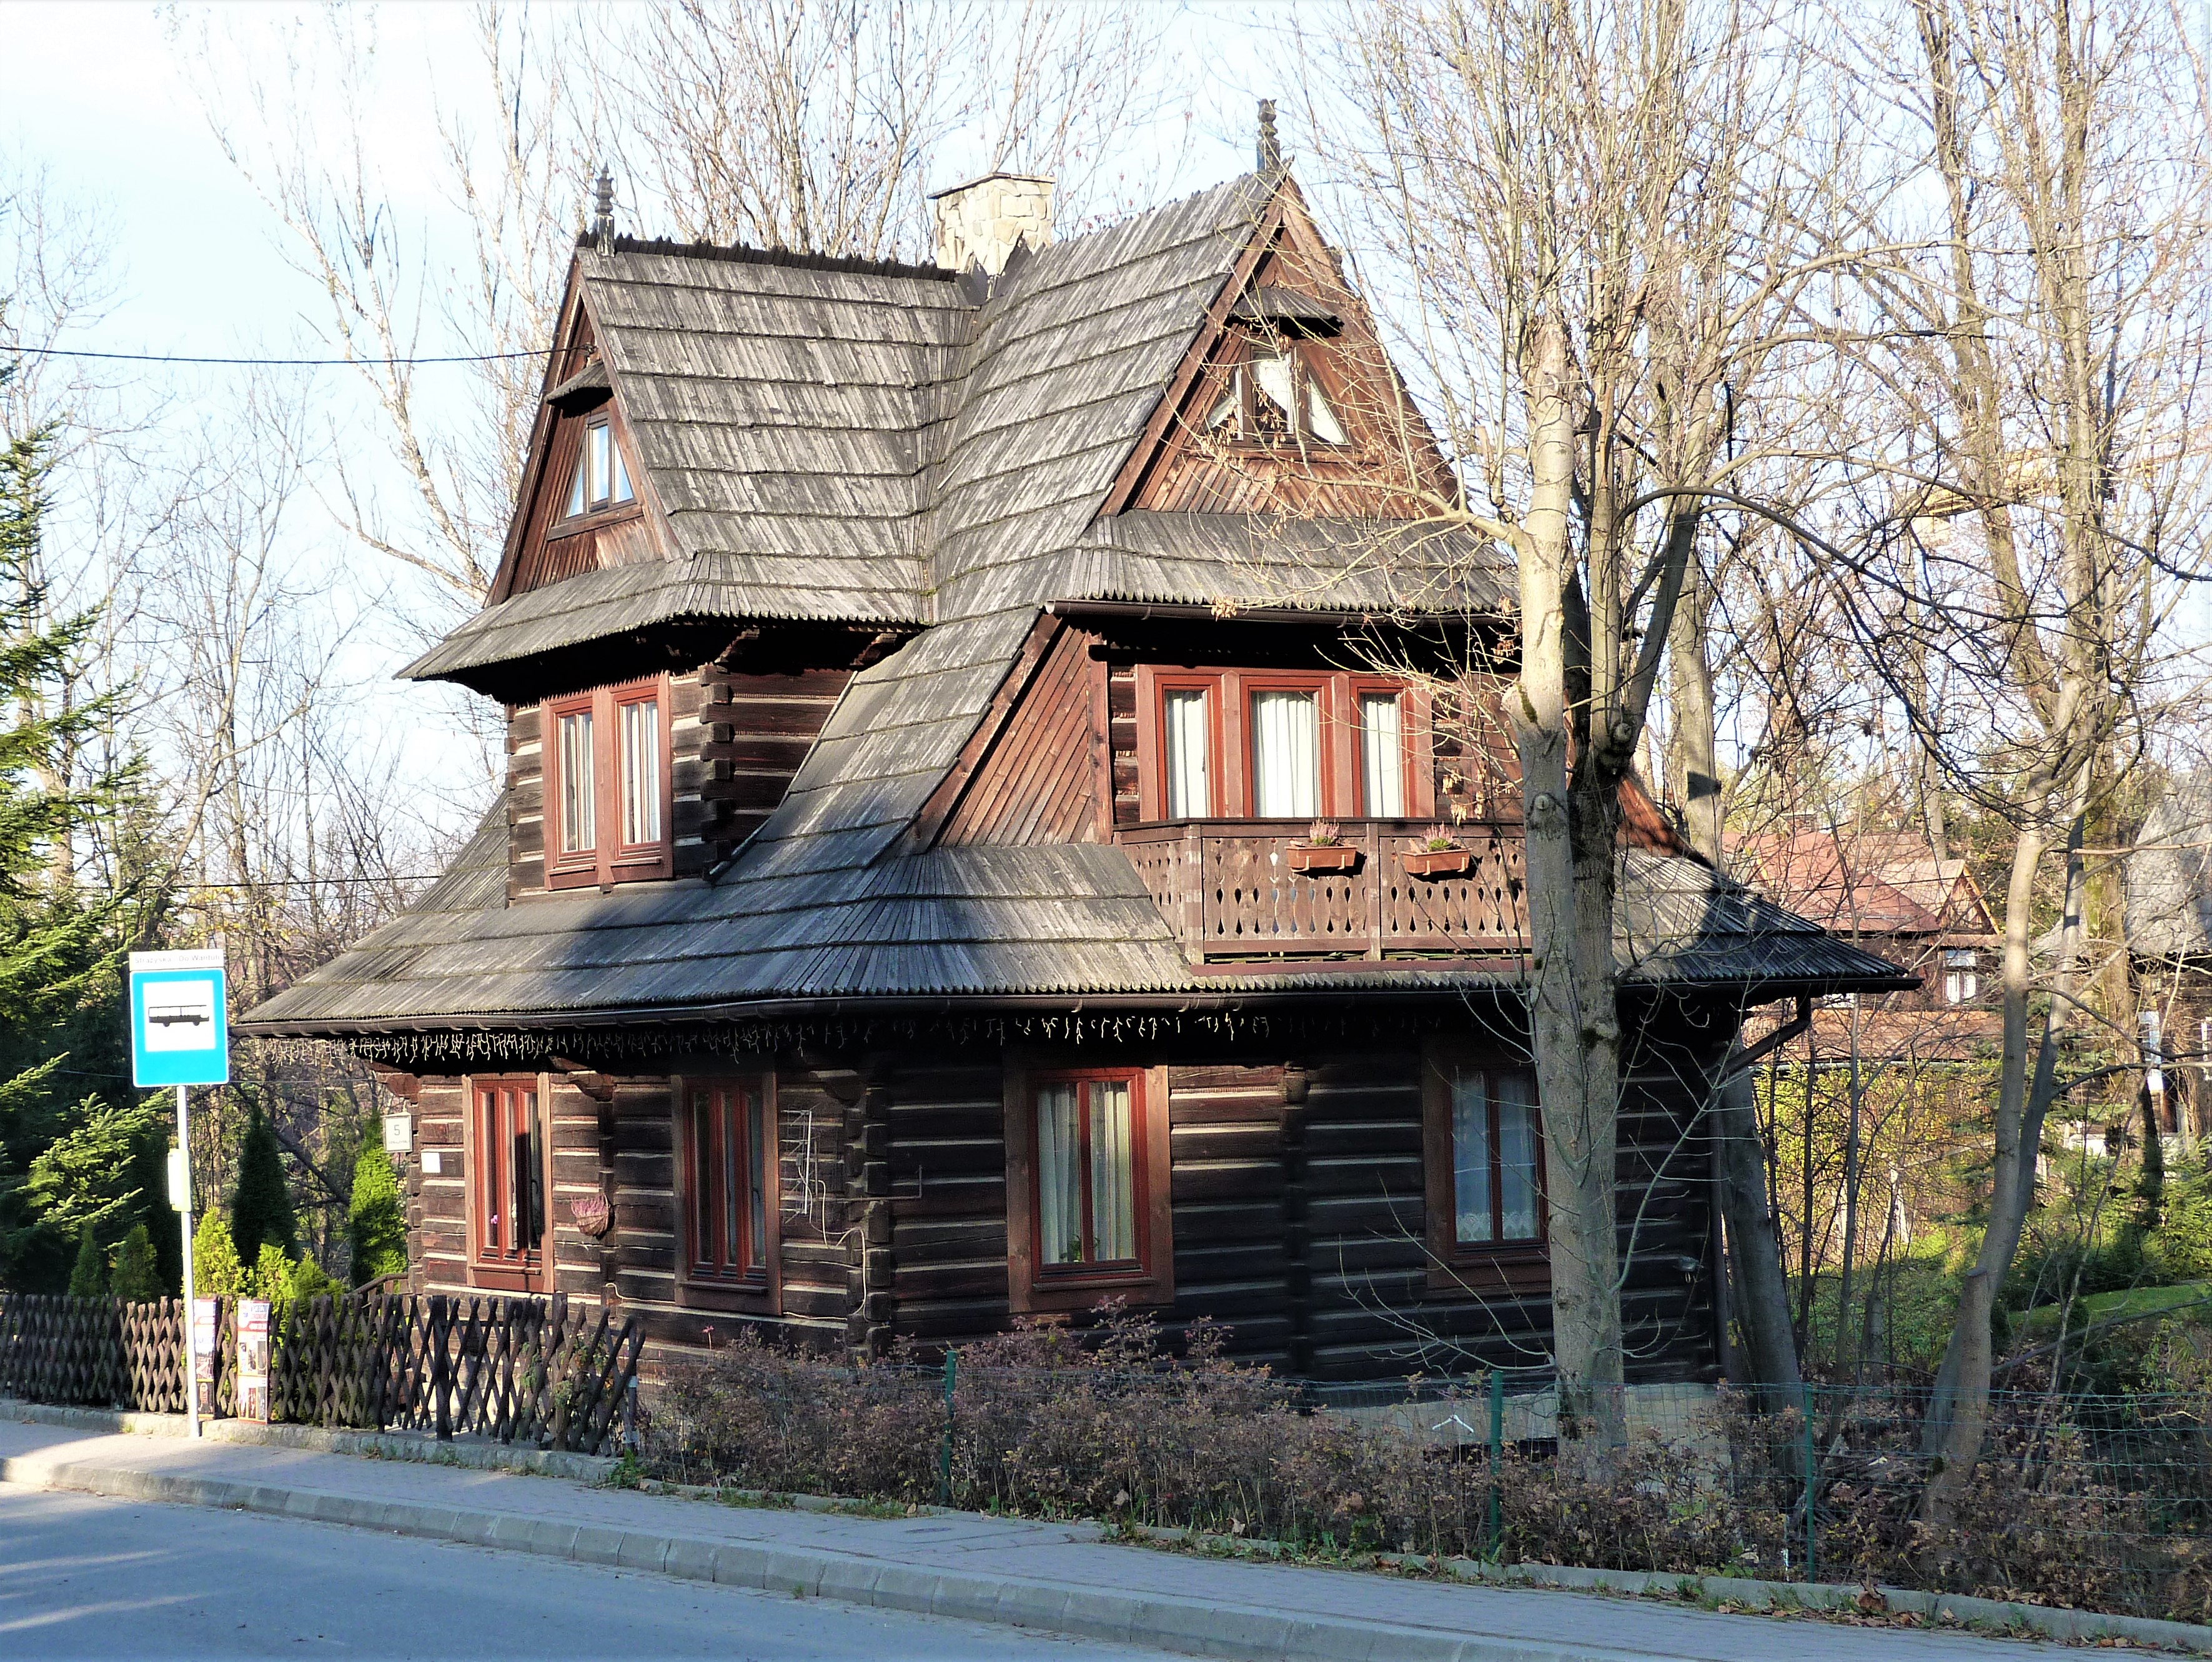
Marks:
<point>516,1370</point>
<point>97,1352</point>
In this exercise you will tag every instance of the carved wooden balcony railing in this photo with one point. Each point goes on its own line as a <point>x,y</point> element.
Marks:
<point>1229,889</point>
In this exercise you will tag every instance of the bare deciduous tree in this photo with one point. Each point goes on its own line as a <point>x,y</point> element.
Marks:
<point>1620,216</point>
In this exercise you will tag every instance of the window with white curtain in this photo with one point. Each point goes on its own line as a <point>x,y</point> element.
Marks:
<point>641,770</point>
<point>1272,395</point>
<point>1285,754</point>
<point>1495,1142</point>
<point>578,796</point>
<point>607,783</point>
<point>1086,1173</point>
<point>1382,756</point>
<point>1188,795</point>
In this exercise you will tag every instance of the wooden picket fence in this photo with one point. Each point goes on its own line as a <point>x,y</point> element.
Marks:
<point>532,1371</point>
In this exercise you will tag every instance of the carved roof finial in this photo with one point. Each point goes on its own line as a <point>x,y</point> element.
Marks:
<point>1270,146</point>
<point>603,210</point>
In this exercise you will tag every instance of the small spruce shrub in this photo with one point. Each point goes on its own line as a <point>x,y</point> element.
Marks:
<point>88,1277</point>
<point>376,1218</point>
<point>216,1271</point>
<point>307,1280</point>
<point>136,1279</point>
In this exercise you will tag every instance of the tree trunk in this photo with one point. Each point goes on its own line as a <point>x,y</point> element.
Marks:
<point>1577,1097</point>
<point>1759,1292</point>
<point>1962,1384</point>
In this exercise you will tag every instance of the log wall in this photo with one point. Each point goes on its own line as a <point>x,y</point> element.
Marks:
<point>1297,1209</point>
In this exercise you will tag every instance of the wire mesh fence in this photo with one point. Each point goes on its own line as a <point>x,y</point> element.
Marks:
<point>2097,1502</point>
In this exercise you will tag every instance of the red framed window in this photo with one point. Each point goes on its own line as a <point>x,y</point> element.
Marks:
<point>1482,1152</point>
<point>1087,1180</point>
<point>506,1189</point>
<point>1281,745</point>
<point>729,1158</point>
<point>609,796</point>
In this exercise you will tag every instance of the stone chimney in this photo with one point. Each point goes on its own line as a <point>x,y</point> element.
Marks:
<point>986,218</point>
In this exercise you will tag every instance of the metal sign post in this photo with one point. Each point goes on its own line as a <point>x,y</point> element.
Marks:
<point>180,1036</point>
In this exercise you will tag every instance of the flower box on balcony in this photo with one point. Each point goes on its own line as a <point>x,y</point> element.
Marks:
<point>1323,857</point>
<point>1437,862</point>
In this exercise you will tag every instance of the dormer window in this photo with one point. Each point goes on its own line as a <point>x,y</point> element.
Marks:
<point>1272,396</point>
<point>602,478</point>
<point>607,786</point>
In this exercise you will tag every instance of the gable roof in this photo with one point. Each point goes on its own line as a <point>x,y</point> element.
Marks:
<point>1865,882</point>
<point>836,439</point>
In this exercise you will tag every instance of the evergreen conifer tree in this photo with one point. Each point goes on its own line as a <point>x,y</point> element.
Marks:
<point>376,1219</point>
<point>66,1162</point>
<point>308,1280</point>
<point>261,1208</point>
<point>271,1277</point>
<point>135,1278</point>
<point>89,1279</point>
<point>216,1268</point>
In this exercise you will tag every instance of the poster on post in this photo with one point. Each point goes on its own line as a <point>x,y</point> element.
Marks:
<point>204,1354</point>
<point>253,1360</point>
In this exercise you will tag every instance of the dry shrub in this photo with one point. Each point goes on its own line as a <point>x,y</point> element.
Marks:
<point>754,1415</point>
<point>2042,1519</point>
<point>1102,1422</point>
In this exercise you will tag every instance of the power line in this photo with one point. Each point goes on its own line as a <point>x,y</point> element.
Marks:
<point>296,363</point>
<point>298,882</point>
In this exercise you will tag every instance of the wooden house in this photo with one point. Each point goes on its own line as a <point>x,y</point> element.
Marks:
<point>920,685</point>
<point>1893,895</point>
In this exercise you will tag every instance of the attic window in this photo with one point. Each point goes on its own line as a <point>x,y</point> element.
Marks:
<point>602,478</point>
<point>1274,397</point>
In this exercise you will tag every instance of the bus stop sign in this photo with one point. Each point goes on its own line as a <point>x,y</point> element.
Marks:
<point>179,1024</point>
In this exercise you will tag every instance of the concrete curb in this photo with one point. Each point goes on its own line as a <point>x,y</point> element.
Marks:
<point>1161,1620</point>
<point>2041,1620</point>
<point>418,1446</point>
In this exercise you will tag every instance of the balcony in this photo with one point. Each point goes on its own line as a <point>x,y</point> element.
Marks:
<point>1227,888</point>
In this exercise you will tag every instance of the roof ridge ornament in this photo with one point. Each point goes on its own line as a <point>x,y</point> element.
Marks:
<point>1270,147</point>
<point>603,210</point>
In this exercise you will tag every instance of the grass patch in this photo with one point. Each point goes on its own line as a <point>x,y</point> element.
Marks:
<point>2040,1325</point>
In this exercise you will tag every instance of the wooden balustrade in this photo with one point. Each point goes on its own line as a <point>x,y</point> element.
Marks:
<point>1229,889</point>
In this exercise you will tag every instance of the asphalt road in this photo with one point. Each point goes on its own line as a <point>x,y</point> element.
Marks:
<point>86,1577</point>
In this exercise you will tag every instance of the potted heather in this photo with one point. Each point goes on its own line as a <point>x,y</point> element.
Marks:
<point>1437,854</point>
<point>592,1213</point>
<point>1323,850</point>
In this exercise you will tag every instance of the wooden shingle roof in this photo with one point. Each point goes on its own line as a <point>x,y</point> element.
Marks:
<point>900,447</point>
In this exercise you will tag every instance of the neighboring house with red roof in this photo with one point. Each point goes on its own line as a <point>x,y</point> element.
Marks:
<point>1892,894</point>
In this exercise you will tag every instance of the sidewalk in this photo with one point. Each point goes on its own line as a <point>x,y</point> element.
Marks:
<point>1057,1578</point>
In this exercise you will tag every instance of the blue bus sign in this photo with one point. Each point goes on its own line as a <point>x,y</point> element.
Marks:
<point>180,1021</point>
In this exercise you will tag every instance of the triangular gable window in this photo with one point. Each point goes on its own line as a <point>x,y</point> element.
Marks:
<point>1274,397</point>
<point>602,477</point>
